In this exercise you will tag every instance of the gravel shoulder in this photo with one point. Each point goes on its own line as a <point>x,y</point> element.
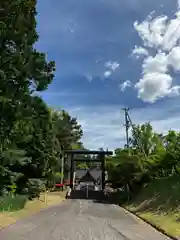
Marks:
<point>81,219</point>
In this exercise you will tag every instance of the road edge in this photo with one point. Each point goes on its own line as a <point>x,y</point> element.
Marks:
<point>159,229</point>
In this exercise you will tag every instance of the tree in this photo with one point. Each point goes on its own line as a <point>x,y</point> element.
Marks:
<point>68,131</point>
<point>31,137</point>
<point>171,160</point>
<point>123,169</point>
<point>23,69</point>
<point>152,155</point>
<point>143,137</point>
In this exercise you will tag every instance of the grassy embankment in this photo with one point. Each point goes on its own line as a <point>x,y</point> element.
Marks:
<point>159,204</point>
<point>30,207</point>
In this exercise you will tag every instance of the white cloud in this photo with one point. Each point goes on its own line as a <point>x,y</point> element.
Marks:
<point>156,82</point>
<point>103,125</point>
<point>160,32</point>
<point>124,85</point>
<point>172,34</point>
<point>154,86</point>
<point>178,3</point>
<point>111,67</point>
<point>152,31</point>
<point>162,36</point>
<point>174,58</point>
<point>155,64</point>
<point>107,74</point>
<point>174,91</point>
<point>139,51</point>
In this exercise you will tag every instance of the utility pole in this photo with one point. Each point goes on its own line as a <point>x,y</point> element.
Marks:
<point>62,168</point>
<point>62,164</point>
<point>127,125</point>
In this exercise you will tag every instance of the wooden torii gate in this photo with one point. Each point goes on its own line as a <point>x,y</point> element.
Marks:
<point>101,159</point>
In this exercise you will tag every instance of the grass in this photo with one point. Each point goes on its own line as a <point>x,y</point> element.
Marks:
<point>159,204</point>
<point>12,203</point>
<point>31,207</point>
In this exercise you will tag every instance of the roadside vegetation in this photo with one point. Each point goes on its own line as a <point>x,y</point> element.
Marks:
<point>159,203</point>
<point>147,177</point>
<point>45,200</point>
<point>33,136</point>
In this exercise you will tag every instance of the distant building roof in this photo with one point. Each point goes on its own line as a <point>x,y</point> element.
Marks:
<point>87,178</point>
<point>80,173</point>
<point>95,173</point>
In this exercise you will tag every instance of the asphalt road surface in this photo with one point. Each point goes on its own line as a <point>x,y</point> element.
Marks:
<point>81,220</point>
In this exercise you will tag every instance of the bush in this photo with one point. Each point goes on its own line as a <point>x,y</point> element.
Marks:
<point>57,177</point>
<point>116,197</point>
<point>34,187</point>
<point>12,203</point>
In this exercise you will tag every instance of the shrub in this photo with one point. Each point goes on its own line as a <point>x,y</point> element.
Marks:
<point>57,177</point>
<point>12,203</point>
<point>34,187</point>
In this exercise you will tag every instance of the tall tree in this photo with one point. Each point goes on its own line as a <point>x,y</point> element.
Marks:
<point>23,69</point>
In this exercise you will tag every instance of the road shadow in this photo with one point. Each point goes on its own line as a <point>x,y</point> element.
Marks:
<point>96,196</point>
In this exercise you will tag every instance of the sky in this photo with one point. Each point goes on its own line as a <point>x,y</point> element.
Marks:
<point>112,54</point>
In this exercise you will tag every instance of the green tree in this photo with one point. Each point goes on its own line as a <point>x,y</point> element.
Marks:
<point>23,69</point>
<point>31,139</point>
<point>152,155</point>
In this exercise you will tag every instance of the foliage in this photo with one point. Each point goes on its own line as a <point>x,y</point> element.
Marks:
<point>34,187</point>
<point>151,155</point>
<point>33,137</point>
<point>57,177</point>
<point>12,203</point>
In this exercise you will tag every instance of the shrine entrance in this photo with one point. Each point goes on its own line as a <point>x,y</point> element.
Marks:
<point>75,156</point>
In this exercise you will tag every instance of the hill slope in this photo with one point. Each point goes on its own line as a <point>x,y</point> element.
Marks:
<point>159,203</point>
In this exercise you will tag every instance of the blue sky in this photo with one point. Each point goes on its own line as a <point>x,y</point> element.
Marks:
<point>111,54</point>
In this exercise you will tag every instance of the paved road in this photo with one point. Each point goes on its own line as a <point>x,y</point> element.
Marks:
<point>81,220</point>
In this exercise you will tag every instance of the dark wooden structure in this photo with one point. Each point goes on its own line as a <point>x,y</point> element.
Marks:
<point>101,157</point>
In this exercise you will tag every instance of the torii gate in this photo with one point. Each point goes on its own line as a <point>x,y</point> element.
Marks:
<point>101,158</point>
